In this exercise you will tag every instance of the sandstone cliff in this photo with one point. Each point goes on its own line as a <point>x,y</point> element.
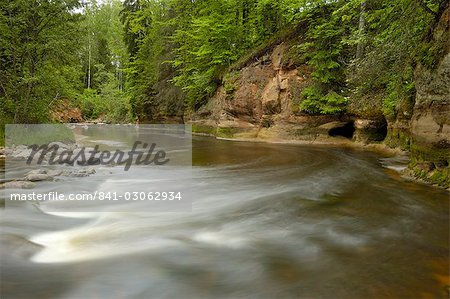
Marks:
<point>428,130</point>
<point>261,101</point>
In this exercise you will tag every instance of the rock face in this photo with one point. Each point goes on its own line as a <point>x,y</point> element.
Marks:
<point>431,118</point>
<point>426,134</point>
<point>262,101</point>
<point>63,111</point>
<point>430,124</point>
<point>370,130</point>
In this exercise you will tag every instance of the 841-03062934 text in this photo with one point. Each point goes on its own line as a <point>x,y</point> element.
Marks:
<point>98,196</point>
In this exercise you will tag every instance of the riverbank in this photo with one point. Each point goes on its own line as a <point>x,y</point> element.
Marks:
<point>420,172</point>
<point>424,172</point>
<point>263,100</point>
<point>321,141</point>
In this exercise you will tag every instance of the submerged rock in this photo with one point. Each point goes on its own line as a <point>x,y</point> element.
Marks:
<point>18,185</point>
<point>38,177</point>
<point>60,145</point>
<point>42,175</point>
<point>85,172</point>
<point>55,173</point>
<point>52,173</point>
<point>19,152</point>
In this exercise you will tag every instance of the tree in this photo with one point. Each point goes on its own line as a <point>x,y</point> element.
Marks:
<point>104,58</point>
<point>361,28</point>
<point>37,56</point>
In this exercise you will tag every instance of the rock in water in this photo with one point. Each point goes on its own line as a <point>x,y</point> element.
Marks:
<point>38,177</point>
<point>18,185</point>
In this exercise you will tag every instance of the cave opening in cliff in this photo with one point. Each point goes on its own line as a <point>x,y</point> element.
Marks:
<point>346,131</point>
<point>376,131</point>
<point>381,131</point>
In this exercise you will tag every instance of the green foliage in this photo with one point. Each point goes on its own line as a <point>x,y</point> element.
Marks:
<point>91,104</point>
<point>38,56</point>
<point>108,104</point>
<point>399,90</point>
<point>192,43</point>
<point>201,39</point>
<point>207,46</point>
<point>148,27</point>
<point>117,104</point>
<point>316,102</point>
<point>396,40</point>
<point>158,57</point>
<point>104,55</point>
<point>230,82</point>
<point>50,50</point>
<point>430,53</point>
<point>327,52</point>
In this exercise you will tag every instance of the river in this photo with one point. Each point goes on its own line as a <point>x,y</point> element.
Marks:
<point>268,221</point>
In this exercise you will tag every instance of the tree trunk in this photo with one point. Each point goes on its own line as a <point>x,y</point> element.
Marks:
<point>89,64</point>
<point>361,29</point>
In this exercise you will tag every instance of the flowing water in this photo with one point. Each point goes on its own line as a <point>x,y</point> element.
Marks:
<point>268,221</point>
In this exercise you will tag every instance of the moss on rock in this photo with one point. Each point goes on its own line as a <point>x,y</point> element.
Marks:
<point>204,129</point>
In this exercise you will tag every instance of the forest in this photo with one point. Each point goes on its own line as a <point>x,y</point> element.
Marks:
<point>224,149</point>
<point>127,61</point>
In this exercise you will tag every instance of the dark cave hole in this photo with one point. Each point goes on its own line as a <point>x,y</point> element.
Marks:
<point>346,131</point>
<point>379,131</point>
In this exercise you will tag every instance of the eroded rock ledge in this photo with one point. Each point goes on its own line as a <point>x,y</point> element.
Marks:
<point>260,102</point>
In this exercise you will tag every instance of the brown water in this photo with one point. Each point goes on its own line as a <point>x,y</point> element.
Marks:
<point>268,221</point>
